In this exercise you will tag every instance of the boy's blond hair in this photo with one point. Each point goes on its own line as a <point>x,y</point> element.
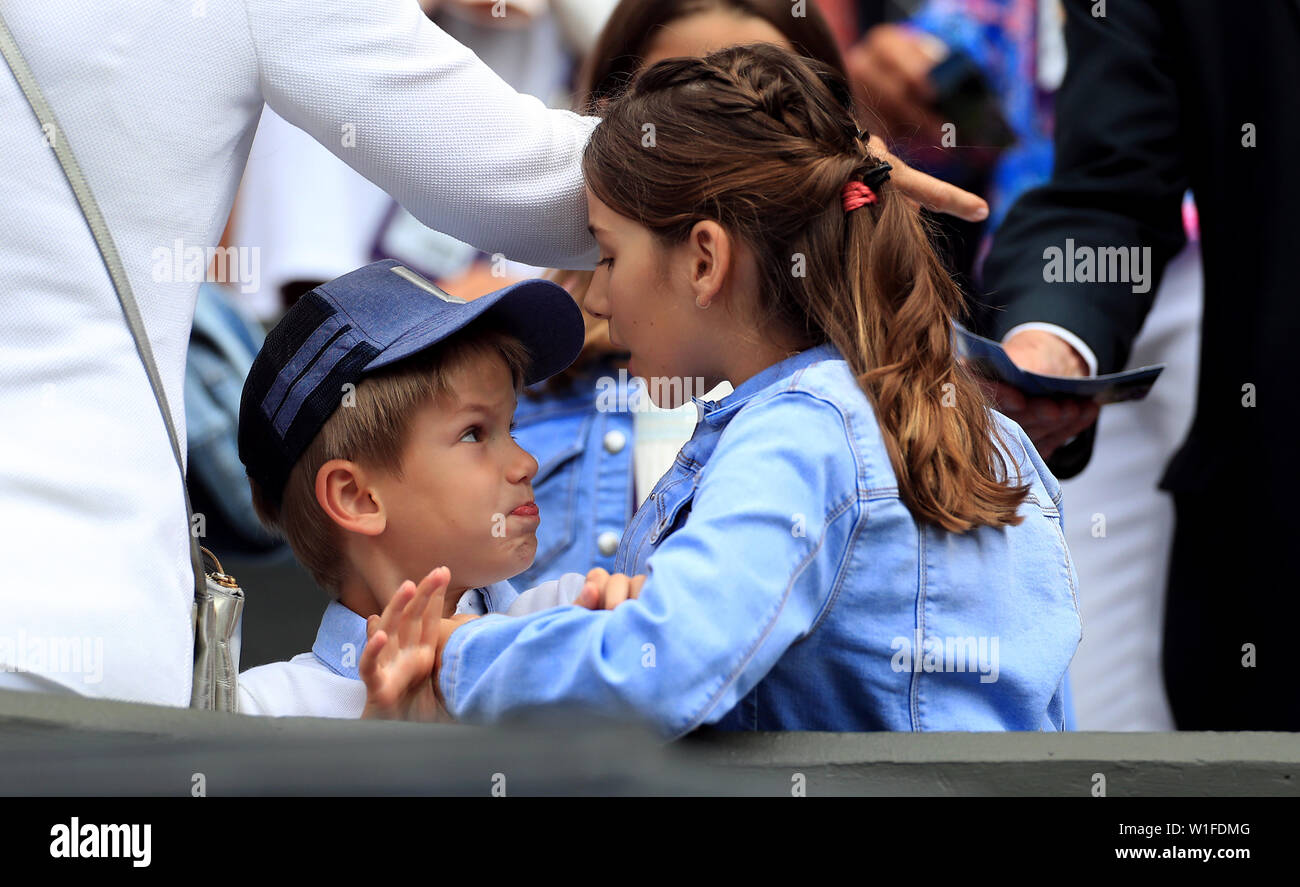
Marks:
<point>371,427</point>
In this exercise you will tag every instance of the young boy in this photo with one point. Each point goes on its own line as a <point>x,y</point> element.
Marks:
<point>375,429</point>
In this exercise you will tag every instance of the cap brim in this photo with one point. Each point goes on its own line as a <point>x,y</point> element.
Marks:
<point>540,313</point>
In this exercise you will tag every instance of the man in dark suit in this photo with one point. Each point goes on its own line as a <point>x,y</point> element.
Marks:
<point>1160,97</point>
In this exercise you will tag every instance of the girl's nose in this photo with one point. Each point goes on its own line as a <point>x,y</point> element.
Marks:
<point>595,303</point>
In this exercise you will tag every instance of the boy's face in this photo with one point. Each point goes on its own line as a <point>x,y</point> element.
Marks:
<point>463,477</point>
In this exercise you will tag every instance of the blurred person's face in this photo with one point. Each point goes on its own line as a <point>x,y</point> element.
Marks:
<point>699,34</point>
<point>462,478</point>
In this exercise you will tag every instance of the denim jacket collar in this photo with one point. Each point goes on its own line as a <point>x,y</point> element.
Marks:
<point>718,412</point>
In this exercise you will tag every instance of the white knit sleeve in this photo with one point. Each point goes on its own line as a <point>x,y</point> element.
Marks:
<point>421,116</point>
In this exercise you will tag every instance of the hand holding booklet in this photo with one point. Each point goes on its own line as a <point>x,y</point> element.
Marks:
<point>990,359</point>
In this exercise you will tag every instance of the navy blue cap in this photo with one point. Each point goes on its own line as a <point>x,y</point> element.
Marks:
<point>368,319</point>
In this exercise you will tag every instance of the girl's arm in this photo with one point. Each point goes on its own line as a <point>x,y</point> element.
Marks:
<point>727,594</point>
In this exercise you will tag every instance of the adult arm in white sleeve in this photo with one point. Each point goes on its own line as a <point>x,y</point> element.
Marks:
<point>420,115</point>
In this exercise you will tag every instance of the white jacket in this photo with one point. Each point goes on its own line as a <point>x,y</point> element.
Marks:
<point>159,100</point>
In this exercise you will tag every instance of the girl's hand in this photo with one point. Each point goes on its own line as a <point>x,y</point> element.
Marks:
<point>605,592</point>
<point>398,662</point>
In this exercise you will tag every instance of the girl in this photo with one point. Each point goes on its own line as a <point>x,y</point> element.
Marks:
<point>597,465</point>
<point>850,541</point>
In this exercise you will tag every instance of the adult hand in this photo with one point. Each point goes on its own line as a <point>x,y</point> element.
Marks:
<point>889,71</point>
<point>934,194</point>
<point>1049,422</point>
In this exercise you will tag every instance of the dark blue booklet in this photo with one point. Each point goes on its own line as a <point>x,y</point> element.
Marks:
<point>990,359</point>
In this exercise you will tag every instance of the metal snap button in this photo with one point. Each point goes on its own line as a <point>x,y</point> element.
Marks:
<point>615,441</point>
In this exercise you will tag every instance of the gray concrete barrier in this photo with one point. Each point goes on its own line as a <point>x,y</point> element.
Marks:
<point>66,745</point>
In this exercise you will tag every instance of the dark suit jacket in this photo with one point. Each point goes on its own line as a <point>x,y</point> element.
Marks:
<point>1159,96</point>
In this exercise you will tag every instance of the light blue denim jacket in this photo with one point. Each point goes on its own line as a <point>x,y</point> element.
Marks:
<point>791,589</point>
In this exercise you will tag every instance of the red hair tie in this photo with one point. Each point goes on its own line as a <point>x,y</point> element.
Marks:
<point>856,194</point>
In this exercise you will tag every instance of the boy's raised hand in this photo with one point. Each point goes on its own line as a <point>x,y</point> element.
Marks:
<point>397,664</point>
<point>604,591</point>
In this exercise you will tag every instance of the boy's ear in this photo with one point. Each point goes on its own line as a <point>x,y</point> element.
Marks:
<point>709,250</point>
<point>344,492</point>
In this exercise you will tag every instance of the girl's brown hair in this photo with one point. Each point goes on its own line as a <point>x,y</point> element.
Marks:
<point>762,142</point>
<point>611,66</point>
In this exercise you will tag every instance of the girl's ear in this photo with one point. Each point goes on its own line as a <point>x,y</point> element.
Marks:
<point>347,498</point>
<point>709,250</point>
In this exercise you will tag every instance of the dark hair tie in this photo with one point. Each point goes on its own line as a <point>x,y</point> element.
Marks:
<point>877,175</point>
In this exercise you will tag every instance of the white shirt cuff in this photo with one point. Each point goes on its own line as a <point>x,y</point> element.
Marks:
<point>1070,338</point>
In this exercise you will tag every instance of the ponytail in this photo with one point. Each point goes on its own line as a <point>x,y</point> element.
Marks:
<point>897,337</point>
